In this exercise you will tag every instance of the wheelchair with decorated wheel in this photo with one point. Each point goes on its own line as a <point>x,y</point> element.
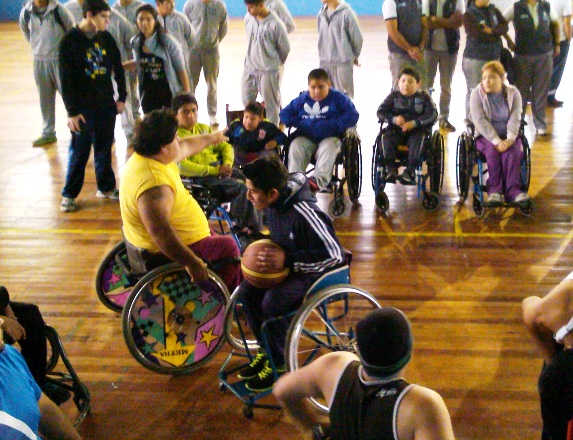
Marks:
<point>471,167</point>
<point>325,322</point>
<point>347,170</point>
<point>429,174</point>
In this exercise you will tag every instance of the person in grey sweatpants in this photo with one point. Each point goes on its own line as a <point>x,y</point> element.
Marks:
<point>281,9</point>
<point>44,23</point>
<point>178,26</point>
<point>339,44</point>
<point>122,32</point>
<point>267,51</point>
<point>128,8</point>
<point>536,43</point>
<point>209,19</point>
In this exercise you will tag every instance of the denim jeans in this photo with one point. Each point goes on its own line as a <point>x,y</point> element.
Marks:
<point>99,131</point>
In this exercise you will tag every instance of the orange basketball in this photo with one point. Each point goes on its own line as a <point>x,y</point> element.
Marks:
<point>250,270</point>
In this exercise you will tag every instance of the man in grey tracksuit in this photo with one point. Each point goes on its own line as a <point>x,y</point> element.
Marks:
<point>339,44</point>
<point>122,32</point>
<point>209,19</point>
<point>128,8</point>
<point>267,51</point>
<point>178,26</point>
<point>281,9</point>
<point>44,24</point>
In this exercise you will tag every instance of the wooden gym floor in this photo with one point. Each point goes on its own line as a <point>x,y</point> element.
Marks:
<point>459,279</point>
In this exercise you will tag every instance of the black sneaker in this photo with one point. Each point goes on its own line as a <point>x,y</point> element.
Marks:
<point>555,103</point>
<point>446,126</point>
<point>391,174</point>
<point>255,367</point>
<point>264,380</point>
<point>407,177</point>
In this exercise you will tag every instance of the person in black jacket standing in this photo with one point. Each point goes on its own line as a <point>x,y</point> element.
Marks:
<point>311,249</point>
<point>88,56</point>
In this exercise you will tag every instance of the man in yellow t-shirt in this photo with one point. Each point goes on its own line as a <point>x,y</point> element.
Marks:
<point>158,213</point>
<point>213,166</point>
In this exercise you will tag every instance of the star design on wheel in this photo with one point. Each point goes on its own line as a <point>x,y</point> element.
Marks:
<point>114,278</point>
<point>208,337</point>
<point>205,297</point>
<point>149,299</point>
<point>181,337</point>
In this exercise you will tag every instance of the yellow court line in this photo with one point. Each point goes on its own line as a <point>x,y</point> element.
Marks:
<point>422,234</point>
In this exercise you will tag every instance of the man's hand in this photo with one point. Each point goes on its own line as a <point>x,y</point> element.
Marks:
<point>415,53</point>
<point>14,329</point>
<point>357,63</point>
<point>271,145</point>
<point>219,137</point>
<point>225,170</point>
<point>198,271</point>
<point>399,120</point>
<point>120,107</point>
<point>407,126</point>
<point>270,260</point>
<point>74,123</point>
<point>556,51</point>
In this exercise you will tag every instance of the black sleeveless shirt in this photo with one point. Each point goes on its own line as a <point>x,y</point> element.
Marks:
<point>363,412</point>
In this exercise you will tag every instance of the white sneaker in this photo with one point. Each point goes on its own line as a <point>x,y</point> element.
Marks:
<point>213,121</point>
<point>68,205</point>
<point>113,194</point>
<point>541,131</point>
<point>521,197</point>
<point>495,198</point>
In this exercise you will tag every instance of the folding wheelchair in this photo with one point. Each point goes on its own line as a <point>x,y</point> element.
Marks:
<point>115,278</point>
<point>325,322</point>
<point>65,379</point>
<point>347,170</point>
<point>471,166</point>
<point>429,174</point>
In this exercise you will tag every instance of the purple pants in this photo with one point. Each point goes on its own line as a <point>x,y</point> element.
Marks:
<point>260,305</point>
<point>219,247</point>
<point>504,169</point>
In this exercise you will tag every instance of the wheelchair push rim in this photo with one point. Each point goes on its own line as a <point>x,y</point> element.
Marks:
<point>237,331</point>
<point>172,325</point>
<point>324,324</point>
<point>112,284</point>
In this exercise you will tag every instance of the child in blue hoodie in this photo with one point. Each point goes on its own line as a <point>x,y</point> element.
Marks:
<point>321,116</point>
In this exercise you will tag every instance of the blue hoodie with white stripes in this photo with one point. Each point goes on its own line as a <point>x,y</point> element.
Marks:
<point>305,232</point>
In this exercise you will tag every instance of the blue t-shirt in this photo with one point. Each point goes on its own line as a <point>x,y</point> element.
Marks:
<point>19,395</point>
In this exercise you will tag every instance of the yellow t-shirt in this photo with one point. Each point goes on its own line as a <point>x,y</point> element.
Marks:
<point>141,174</point>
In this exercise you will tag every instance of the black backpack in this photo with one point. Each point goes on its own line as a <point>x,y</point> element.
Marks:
<point>57,17</point>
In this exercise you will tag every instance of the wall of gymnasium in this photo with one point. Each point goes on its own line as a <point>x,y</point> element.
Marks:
<point>10,9</point>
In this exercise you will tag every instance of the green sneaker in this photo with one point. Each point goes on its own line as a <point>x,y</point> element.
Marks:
<point>255,367</point>
<point>68,205</point>
<point>264,380</point>
<point>44,140</point>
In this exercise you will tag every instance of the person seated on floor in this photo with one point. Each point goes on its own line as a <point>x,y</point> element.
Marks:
<point>25,412</point>
<point>495,110</point>
<point>550,323</point>
<point>24,324</point>
<point>367,396</point>
<point>320,115</point>
<point>212,167</point>
<point>161,220</point>
<point>254,136</point>
<point>410,114</point>
<point>311,249</point>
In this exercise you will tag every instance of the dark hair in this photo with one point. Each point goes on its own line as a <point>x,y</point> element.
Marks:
<point>267,173</point>
<point>410,71</point>
<point>255,108</point>
<point>157,129</point>
<point>181,99</point>
<point>146,7</point>
<point>95,7</point>
<point>254,2</point>
<point>319,75</point>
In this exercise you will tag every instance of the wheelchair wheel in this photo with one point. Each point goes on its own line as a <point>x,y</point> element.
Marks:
<point>478,206</point>
<point>53,351</point>
<point>436,163</point>
<point>336,206</point>
<point>326,322</point>
<point>430,201</point>
<point>525,164</point>
<point>172,325</point>
<point>464,165</point>
<point>237,330</point>
<point>377,158</point>
<point>382,201</point>
<point>112,285</point>
<point>353,166</point>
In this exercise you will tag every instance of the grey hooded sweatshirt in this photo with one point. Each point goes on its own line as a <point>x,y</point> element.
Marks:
<point>339,37</point>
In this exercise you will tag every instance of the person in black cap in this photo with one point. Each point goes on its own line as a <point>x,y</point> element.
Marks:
<point>549,322</point>
<point>367,397</point>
